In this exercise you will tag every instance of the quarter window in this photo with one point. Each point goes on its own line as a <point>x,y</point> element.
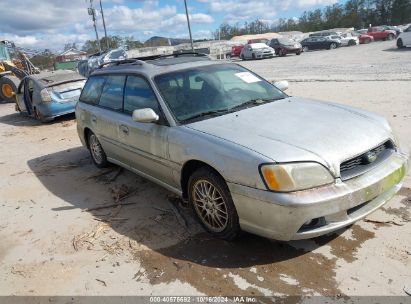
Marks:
<point>92,89</point>
<point>139,95</point>
<point>112,95</point>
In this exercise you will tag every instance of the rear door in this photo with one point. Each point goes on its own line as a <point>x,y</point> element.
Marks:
<point>102,104</point>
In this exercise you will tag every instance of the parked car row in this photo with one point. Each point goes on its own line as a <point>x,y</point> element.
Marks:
<point>321,40</point>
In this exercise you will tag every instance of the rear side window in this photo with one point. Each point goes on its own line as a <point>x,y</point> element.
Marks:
<point>92,89</point>
<point>112,95</point>
<point>139,95</point>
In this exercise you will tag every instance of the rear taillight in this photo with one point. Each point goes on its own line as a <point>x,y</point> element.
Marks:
<point>45,96</point>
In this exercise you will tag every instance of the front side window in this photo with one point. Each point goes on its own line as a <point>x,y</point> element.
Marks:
<point>92,89</point>
<point>139,95</point>
<point>112,95</point>
<point>219,88</point>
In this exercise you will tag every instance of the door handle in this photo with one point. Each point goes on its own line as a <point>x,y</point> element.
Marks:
<point>93,118</point>
<point>124,129</point>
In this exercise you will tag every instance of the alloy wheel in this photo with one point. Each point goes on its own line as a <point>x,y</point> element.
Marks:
<point>210,205</point>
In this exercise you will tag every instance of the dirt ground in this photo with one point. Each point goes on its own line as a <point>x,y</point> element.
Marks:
<point>54,241</point>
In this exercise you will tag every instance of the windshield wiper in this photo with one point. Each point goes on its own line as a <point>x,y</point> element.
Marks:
<point>203,114</point>
<point>255,101</point>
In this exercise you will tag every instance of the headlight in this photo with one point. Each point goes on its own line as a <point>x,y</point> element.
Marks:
<point>295,176</point>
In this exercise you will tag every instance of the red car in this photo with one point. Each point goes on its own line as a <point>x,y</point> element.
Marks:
<point>236,49</point>
<point>363,38</point>
<point>379,33</point>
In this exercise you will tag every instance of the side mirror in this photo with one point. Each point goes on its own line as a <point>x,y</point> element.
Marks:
<point>145,115</point>
<point>281,85</point>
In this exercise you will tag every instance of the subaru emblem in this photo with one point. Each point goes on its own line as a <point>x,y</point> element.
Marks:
<point>370,157</point>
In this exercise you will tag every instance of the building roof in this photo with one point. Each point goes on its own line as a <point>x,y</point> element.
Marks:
<point>72,51</point>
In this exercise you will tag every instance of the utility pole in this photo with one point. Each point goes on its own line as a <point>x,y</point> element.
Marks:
<point>189,27</point>
<point>104,25</point>
<point>92,13</point>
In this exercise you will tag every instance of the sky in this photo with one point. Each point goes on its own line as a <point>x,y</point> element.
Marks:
<point>41,24</point>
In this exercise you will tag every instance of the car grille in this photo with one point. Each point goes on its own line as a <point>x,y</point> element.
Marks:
<point>361,163</point>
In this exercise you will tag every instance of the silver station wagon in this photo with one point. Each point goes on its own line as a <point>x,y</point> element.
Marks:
<point>244,154</point>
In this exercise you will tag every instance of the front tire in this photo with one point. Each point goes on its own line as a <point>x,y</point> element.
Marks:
<point>368,40</point>
<point>400,44</point>
<point>96,151</point>
<point>391,37</point>
<point>211,201</point>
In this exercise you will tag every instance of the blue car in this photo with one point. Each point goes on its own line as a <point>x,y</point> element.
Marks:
<point>48,95</point>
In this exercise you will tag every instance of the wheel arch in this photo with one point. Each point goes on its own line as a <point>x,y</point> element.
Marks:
<point>189,168</point>
<point>86,133</point>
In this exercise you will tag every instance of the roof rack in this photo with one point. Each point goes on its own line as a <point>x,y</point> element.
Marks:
<point>173,55</point>
<point>124,61</point>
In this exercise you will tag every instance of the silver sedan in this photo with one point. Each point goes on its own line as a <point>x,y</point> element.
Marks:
<point>244,154</point>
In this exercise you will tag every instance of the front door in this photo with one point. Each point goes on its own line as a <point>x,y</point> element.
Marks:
<point>407,36</point>
<point>144,146</point>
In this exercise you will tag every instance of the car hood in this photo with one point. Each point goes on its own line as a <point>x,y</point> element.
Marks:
<point>297,129</point>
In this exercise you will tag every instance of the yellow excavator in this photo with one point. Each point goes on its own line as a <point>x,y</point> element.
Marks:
<point>14,66</point>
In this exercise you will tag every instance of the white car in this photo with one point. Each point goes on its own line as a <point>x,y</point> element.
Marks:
<point>256,51</point>
<point>346,39</point>
<point>404,39</point>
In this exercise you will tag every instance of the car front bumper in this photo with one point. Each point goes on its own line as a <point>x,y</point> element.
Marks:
<point>293,50</point>
<point>282,216</point>
<point>265,55</point>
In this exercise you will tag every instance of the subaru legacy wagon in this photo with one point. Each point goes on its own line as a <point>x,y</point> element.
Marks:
<point>245,155</point>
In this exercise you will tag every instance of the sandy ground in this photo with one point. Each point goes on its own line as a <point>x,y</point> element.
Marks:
<point>52,244</point>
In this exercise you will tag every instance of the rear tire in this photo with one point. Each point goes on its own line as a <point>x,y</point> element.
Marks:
<point>211,201</point>
<point>253,56</point>
<point>8,86</point>
<point>351,43</point>
<point>96,151</point>
<point>298,53</point>
<point>333,46</point>
<point>368,40</point>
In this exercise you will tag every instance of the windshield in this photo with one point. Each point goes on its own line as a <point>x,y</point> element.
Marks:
<point>4,54</point>
<point>286,41</point>
<point>219,88</point>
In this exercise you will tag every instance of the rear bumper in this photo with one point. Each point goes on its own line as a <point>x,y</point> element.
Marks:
<point>54,109</point>
<point>282,216</point>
